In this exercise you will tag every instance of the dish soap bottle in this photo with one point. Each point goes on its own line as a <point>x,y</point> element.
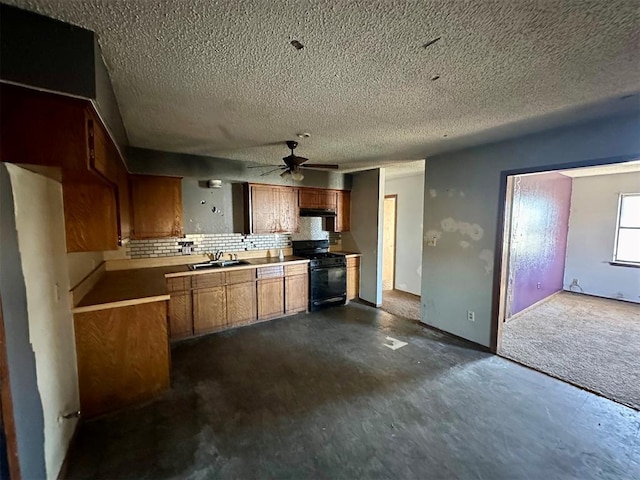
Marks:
<point>281,255</point>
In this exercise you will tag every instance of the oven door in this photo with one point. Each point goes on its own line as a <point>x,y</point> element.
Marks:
<point>328,286</point>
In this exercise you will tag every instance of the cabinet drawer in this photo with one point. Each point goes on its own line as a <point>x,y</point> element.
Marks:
<point>241,276</point>
<point>271,272</point>
<point>353,261</point>
<point>296,269</point>
<point>208,280</point>
<point>179,284</point>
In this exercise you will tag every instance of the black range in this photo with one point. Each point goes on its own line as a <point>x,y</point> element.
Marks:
<point>327,273</point>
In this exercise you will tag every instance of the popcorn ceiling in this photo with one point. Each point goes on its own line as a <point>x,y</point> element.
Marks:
<point>222,79</point>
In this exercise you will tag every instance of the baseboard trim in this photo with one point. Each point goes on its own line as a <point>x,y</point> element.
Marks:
<point>531,307</point>
<point>477,346</point>
<point>368,303</point>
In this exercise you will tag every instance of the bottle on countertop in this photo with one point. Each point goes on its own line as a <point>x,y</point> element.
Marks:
<point>280,255</point>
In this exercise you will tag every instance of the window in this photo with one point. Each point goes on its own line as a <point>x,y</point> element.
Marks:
<point>627,249</point>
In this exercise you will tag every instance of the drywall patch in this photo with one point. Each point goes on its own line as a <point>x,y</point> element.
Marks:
<point>464,244</point>
<point>487,257</point>
<point>472,230</point>
<point>433,193</point>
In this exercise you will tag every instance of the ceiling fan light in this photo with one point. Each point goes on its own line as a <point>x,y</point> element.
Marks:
<point>286,174</point>
<point>297,175</point>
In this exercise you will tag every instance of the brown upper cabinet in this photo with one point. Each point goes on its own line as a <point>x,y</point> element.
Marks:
<point>39,128</point>
<point>270,209</point>
<point>156,206</point>
<point>317,198</point>
<point>342,220</point>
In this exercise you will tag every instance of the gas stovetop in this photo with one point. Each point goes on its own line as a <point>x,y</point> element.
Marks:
<point>318,252</point>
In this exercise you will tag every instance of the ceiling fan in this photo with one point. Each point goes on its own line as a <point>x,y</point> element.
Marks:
<point>293,164</point>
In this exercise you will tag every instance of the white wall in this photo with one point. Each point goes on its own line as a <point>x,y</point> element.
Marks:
<point>410,205</point>
<point>41,240</point>
<point>592,229</point>
<point>82,264</point>
<point>367,198</point>
<point>461,203</point>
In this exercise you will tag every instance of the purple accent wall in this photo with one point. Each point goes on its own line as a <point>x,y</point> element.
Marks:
<point>540,222</point>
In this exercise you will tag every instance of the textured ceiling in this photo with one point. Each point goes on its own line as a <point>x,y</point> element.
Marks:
<point>221,78</point>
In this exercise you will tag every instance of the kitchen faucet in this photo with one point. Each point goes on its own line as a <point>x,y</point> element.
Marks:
<point>216,255</point>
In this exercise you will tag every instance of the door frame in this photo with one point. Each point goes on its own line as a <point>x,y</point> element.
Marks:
<point>501,258</point>
<point>7,420</point>
<point>395,234</point>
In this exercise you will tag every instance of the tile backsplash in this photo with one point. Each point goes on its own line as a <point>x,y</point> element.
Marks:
<point>227,242</point>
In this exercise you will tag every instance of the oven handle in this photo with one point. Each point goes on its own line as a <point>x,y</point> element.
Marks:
<point>335,267</point>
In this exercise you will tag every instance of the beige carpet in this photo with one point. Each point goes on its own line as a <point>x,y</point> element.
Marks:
<point>589,341</point>
<point>401,304</point>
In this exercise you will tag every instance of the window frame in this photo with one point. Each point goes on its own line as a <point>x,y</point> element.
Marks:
<point>621,197</point>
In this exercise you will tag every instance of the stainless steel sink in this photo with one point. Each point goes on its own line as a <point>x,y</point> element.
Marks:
<point>218,264</point>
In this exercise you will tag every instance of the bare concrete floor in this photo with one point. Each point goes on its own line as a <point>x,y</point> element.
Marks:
<point>319,396</point>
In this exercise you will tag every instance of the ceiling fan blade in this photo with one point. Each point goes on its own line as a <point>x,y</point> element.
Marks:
<point>330,166</point>
<point>263,166</point>
<point>271,171</point>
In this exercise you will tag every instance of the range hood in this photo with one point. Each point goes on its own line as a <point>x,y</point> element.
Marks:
<point>317,212</point>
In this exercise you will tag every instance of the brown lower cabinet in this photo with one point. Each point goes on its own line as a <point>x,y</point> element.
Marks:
<point>353,278</point>
<point>241,304</point>
<point>210,302</point>
<point>270,298</point>
<point>209,310</point>
<point>123,356</point>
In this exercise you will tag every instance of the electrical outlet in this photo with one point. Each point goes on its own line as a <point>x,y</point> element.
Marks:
<point>471,316</point>
<point>538,285</point>
<point>574,283</point>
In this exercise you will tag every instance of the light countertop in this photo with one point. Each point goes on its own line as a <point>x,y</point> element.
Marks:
<point>121,288</point>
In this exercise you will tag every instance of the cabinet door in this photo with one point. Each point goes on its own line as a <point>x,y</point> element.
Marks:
<point>288,211</point>
<point>308,198</point>
<point>342,220</point>
<point>156,206</point>
<point>353,282</point>
<point>209,310</point>
<point>296,290</point>
<point>180,315</point>
<point>270,298</point>
<point>90,217</point>
<point>241,304</point>
<point>263,209</point>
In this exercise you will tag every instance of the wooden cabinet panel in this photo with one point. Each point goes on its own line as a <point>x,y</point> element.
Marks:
<point>208,280</point>
<point>271,209</point>
<point>288,211</point>
<point>241,276</point>
<point>90,216</point>
<point>296,288</point>
<point>209,310</point>
<point>103,155</point>
<point>353,282</point>
<point>179,284</point>
<point>270,272</point>
<point>263,209</point>
<point>241,304</point>
<point>180,315</point>
<point>156,206</point>
<point>300,269</point>
<point>123,356</point>
<point>270,298</point>
<point>42,129</point>
<point>342,220</point>
<point>316,198</point>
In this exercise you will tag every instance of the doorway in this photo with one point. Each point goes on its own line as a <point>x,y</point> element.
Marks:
<point>563,310</point>
<point>389,239</point>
